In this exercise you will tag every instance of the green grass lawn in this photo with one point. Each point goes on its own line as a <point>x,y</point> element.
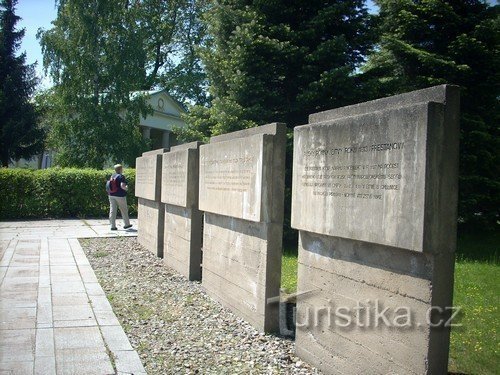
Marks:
<point>474,346</point>
<point>289,272</point>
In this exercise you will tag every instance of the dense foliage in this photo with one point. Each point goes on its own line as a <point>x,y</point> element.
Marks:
<point>19,135</point>
<point>57,193</point>
<point>279,61</point>
<point>268,61</point>
<point>100,53</point>
<point>429,42</point>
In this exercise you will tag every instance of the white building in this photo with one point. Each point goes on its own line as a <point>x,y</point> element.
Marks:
<point>158,127</point>
<point>167,115</point>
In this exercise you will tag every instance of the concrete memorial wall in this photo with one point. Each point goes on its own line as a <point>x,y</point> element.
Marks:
<point>375,201</point>
<point>150,210</point>
<point>241,192</point>
<point>183,219</point>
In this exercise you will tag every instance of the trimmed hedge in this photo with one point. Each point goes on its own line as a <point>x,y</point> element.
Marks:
<point>58,193</point>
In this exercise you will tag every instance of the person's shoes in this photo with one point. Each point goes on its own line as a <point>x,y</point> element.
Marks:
<point>114,228</point>
<point>127,226</point>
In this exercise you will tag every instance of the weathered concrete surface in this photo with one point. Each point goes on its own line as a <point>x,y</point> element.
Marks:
<point>446,94</point>
<point>151,218</point>
<point>183,220</point>
<point>182,240</point>
<point>150,211</point>
<point>241,190</point>
<point>339,273</point>
<point>397,251</point>
<point>185,146</point>
<point>236,171</point>
<point>231,177</point>
<point>242,267</point>
<point>180,172</point>
<point>371,167</point>
<point>158,151</point>
<point>148,177</point>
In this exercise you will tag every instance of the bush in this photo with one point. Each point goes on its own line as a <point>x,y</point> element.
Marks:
<point>58,193</point>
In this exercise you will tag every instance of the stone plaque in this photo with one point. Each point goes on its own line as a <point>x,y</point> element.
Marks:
<point>363,177</point>
<point>241,191</point>
<point>375,189</point>
<point>180,178</point>
<point>148,177</point>
<point>231,175</point>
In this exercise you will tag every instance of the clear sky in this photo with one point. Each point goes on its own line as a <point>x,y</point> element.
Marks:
<point>35,14</point>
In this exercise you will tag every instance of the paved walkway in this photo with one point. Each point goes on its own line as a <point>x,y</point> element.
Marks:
<point>54,315</point>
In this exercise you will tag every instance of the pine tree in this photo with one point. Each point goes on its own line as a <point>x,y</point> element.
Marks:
<point>429,42</point>
<point>279,61</point>
<point>19,135</point>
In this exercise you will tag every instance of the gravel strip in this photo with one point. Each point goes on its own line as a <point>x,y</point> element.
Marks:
<point>172,323</point>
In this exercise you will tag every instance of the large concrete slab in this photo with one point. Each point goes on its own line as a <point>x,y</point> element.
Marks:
<point>375,200</point>
<point>182,240</point>
<point>150,211</point>
<point>148,176</point>
<point>241,190</point>
<point>180,172</point>
<point>242,267</point>
<point>151,217</point>
<point>231,174</point>
<point>183,220</point>
<point>372,167</point>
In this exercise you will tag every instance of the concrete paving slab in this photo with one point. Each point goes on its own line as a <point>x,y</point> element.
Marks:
<point>45,365</point>
<point>94,289</point>
<point>100,303</point>
<point>17,318</point>
<point>78,361</point>
<point>71,300</point>
<point>78,312</point>
<point>16,367</point>
<point>54,315</point>
<point>17,345</point>
<point>13,299</point>
<point>128,362</point>
<point>115,338</point>
<point>106,318</point>
<point>45,343</point>
<point>44,314</point>
<point>78,338</point>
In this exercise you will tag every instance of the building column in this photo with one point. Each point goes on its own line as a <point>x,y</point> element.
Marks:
<point>165,139</point>
<point>146,132</point>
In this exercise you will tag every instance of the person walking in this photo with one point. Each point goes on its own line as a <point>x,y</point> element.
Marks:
<point>117,192</point>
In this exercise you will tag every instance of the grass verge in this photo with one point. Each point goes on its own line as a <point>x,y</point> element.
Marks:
<point>475,345</point>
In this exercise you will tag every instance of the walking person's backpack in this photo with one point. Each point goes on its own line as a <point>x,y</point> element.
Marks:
<point>112,184</point>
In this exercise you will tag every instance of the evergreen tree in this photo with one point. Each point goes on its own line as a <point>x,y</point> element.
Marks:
<point>19,134</point>
<point>429,42</point>
<point>278,61</point>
